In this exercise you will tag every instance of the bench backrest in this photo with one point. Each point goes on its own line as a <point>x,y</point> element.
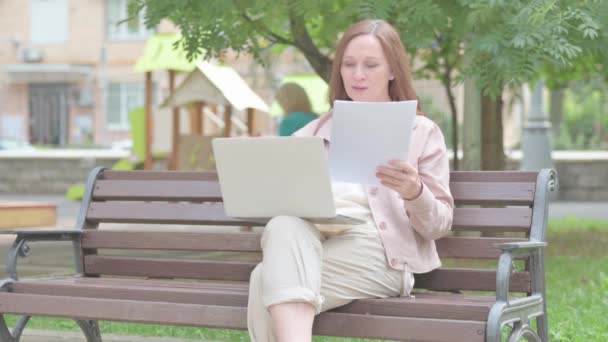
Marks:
<point>487,203</point>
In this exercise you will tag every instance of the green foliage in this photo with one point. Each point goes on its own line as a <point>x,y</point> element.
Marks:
<point>442,119</point>
<point>575,224</point>
<point>585,121</point>
<point>509,42</point>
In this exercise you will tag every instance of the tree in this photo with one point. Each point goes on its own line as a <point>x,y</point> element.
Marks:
<point>508,42</point>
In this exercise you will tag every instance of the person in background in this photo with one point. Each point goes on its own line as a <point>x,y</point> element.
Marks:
<point>296,108</point>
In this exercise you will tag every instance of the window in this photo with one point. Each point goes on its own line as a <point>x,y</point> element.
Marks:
<point>49,21</point>
<point>121,99</point>
<point>117,28</point>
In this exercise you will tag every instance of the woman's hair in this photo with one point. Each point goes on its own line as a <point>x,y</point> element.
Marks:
<point>292,98</point>
<point>401,88</point>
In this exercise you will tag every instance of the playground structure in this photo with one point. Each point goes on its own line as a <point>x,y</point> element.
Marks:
<point>214,93</point>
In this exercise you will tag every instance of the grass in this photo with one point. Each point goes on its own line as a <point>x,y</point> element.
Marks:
<point>577,292</point>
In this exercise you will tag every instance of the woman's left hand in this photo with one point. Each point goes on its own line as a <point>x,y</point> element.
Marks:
<point>400,176</point>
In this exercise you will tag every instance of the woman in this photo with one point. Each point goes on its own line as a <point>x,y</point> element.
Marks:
<point>296,107</point>
<point>306,269</point>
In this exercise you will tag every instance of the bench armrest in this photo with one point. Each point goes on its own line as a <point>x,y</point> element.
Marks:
<point>20,247</point>
<point>44,235</point>
<point>521,248</point>
<point>505,263</point>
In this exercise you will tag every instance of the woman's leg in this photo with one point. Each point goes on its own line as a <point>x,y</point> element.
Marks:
<point>287,283</point>
<point>355,267</point>
<point>258,318</point>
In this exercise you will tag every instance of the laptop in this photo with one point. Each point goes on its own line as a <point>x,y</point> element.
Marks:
<point>264,177</point>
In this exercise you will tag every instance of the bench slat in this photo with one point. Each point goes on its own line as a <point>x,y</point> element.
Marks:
<point>440,280</point>
<point>160,175</point>
<point>493,176</point>
<point>455,176</point>
<point>163,213</point>
<point>141,290</point>
<point>452,279</point>
<point>185,241</point>
<point>502,193</point>
<point>425,305</point>
<point>448,247</point>
<point>213,316</point>
<point>492,219</point>
<point>168,268</point>
<point>506,193</point>
<point>471,247</point>
<point>476,219</point>
<point>157,190</point>
<point>398,328</point>
<point>124,310</point>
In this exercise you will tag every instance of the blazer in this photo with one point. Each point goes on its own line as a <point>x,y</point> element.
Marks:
<point>408,228</point>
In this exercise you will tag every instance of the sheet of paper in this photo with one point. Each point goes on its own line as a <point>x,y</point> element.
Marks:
<point>365,135</point>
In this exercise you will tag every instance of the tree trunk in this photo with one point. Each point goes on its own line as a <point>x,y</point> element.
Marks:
<point>492,149</point>
<point>471,127</point>
<point>319,62</point>
<point>447,82</point>
<point>557,109</point>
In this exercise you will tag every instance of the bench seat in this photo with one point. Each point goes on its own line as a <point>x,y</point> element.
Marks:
<point>221,304</point>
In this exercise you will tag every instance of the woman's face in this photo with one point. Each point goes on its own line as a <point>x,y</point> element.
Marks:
<point>365,70</point>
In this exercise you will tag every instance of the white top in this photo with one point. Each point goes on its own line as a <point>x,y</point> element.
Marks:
<point>350,200</point>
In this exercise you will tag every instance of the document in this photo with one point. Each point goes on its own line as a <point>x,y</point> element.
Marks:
<point>365,135</point>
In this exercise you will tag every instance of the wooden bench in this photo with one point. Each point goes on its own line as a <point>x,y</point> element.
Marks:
<point>198,276</point>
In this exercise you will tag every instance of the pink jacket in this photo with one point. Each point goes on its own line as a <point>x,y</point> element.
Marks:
<point>408,228</point>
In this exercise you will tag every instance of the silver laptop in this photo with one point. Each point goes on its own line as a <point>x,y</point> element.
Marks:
<point>264,177</point>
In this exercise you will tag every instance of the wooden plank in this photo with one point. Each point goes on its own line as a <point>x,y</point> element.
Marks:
<point>492,219</point>
<point>513,193</point>
<point>125,310</point>
<point>438,280</point>
<point>398,328</point>
<point>424,305</point>
<point>160,175</point>
<point>329,323</point>
<point>163,213</point>
<point>493,176</point>
<point>186,241</point>
<point>168,268</point>
<point>157,190</point>
<point>471,247</point>
<point>454,279</point>
<point>465,219</point>
<point>143,290</point>
<point>448,247</point>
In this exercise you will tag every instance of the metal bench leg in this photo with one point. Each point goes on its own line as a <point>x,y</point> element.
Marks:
<point>90,330</point>
<point>523,331</point>
<point>6,335</point>
<point>543,327</point>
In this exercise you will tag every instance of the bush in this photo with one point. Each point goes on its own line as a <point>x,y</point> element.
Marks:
<point>584,123</point>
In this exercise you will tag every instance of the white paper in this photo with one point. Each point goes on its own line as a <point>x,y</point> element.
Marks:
<point>365,135</point>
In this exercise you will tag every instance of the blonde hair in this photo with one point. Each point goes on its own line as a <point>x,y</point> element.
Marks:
<point>401,88</point>
<point>292,98</point>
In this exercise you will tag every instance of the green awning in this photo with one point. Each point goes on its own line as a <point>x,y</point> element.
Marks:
<point>315,87</point>
<point>159,54</point>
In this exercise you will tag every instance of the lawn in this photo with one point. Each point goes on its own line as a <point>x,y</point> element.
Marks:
<point>577,292</point>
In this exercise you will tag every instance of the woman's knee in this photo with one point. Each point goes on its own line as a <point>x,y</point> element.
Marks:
<point>285,228</point>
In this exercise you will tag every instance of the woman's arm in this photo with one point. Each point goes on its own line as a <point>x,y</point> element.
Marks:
<point>431,212</point>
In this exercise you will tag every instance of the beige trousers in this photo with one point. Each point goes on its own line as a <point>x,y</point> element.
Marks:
<point>302,264</point>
